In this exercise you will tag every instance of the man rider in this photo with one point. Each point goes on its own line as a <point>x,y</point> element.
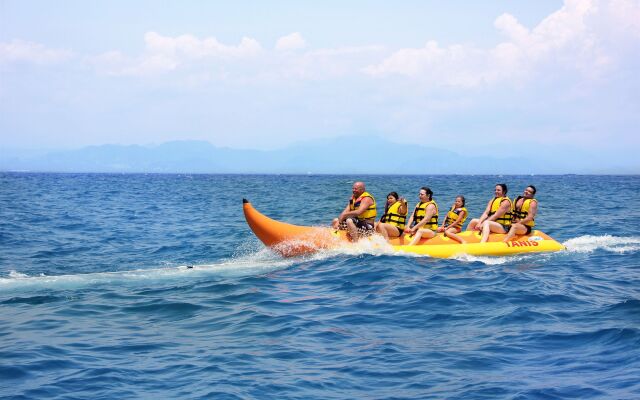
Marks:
<point>359,215</point>
<point>524,213</point>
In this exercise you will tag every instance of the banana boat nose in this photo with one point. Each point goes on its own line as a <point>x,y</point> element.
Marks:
<point>286,239</point>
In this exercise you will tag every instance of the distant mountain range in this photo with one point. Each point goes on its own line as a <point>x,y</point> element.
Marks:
<point>345,155</point>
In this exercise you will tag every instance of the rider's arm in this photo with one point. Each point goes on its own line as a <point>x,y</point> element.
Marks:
<point>460,216</point>
<point>533,209</point>
<point>505,206</point>
<point>402,210</point>
<point>485,214</point>
<point>364,204</point>
<point>343,214</point>
<point>407,226</point>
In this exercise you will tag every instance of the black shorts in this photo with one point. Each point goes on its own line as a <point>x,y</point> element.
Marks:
<point>528,228</point>
<point>506,228</point>
<point>400,231</point>
<point>363,226</point>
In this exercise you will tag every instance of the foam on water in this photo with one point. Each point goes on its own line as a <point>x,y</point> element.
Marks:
<point>373,245</point>
<point>485,259</point>
<point>376,246</point>
<point>589,243</point>
<point>254,259</point>
<point>256,263</point>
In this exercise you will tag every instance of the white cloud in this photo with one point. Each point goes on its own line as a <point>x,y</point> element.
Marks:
<point>510,26</point>
<point>293,41</point>
<point>190,47</point>
<point>165,54</point>
<point>117,64</point>
<point>453,65</point>
<point>569,40</point>
<point>626,13</point>
<point>584,38</point>
<point>23,51</point>
<point>328,63</point>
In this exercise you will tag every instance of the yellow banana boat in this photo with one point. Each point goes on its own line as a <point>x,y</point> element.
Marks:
<point>293,240</point>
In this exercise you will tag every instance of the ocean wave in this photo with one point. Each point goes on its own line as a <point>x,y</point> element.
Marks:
<point>615,244</point>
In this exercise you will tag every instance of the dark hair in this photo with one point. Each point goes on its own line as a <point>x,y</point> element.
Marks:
<point>428,191</point>
<point>534,188</point>
<point>394,194</point>
<point>504,188</point>
<point>462,197</point>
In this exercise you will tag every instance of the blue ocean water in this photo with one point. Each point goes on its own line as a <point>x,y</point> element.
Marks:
<point>142,286</point>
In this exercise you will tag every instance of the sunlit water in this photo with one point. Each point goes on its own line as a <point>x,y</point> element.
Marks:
<point>141,286</point>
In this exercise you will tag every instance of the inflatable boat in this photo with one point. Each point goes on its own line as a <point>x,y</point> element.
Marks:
<point>294,240</point>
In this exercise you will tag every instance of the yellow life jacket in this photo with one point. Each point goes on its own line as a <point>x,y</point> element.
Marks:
<point>393,217</point>
<point>523,211</point>
<point>452,216</point>
<point>421,210</point>
<point>506,217</point>
<point>370,213</point>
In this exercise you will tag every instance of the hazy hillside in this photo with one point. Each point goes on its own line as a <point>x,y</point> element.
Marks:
<point>340,155</point>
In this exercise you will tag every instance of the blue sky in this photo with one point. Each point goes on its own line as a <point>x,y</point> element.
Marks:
<point>512,77</point>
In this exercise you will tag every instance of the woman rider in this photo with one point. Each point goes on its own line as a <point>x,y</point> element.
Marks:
<point>393,220</point>
<point>496,217</point>
<point>423,223</point>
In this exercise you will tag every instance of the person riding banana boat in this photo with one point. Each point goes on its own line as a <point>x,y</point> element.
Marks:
<point>456,216</point>
<point>497,215</point>
<point>393,220</point>
<point>524,212</point>
<point>423,223</point>
<point>359,215</point>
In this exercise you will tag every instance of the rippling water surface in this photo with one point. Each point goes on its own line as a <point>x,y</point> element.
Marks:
<point>135,286</point>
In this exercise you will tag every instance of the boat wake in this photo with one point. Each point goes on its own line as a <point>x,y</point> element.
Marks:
<point>498,260</point>
<point>615,244</point>
<point>253,259</point>
<point>245,263</point>
<point>377,246</point>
